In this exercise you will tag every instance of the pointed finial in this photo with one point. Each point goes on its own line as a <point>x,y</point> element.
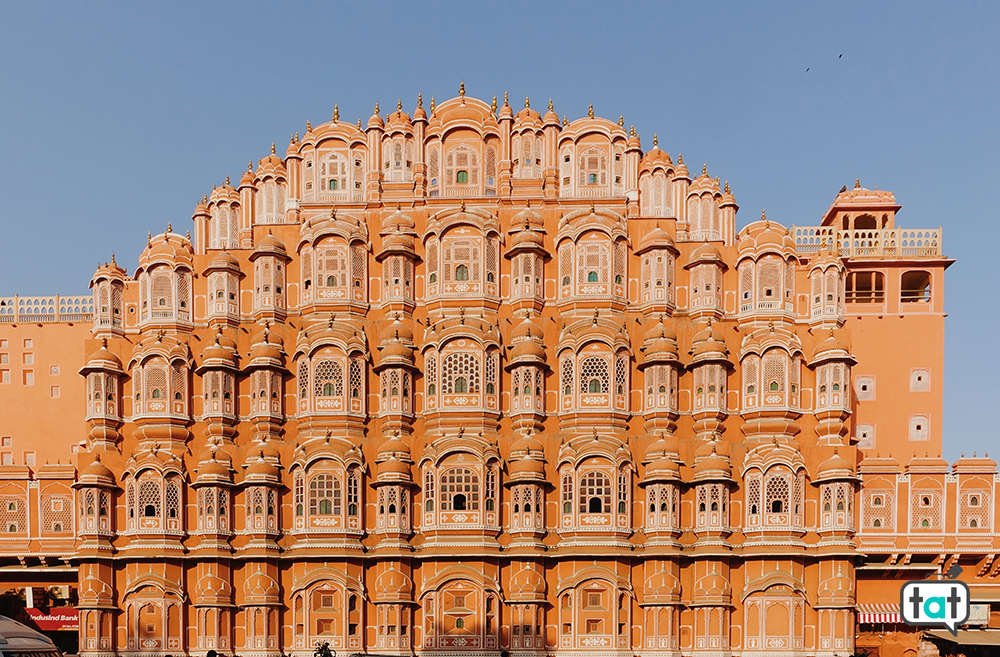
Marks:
<point>631,131</point>
<point>463,205</point>
<point>550,104</point>
<point>432,104</point>
<point>704,169</point>
<point>170,227</point>
<point>565,120</point>
<point>399,105</point>
<point>727,188</point>
<point>527,102</point>
<point>336,113</point>
<point>272,148</point>
<point>493,105</point>
<point>857,183</point>
<point>716,180</point>
<point>333,213</point>
<point>359,123</point>
<point>505,98</point>
<point>680,158</point>
<point>621,120</point>
<point>770,327</point>
<point>592,209</point>
<point>590,111</point>
<point>187,235</point>
<point>149,238</point>
<point>461,89</point>
<point>227,181</point>
<point>420,100</point>
<point>656,141</point>
<point>376,109</point>
<point>250,166</point>
<point>763,215</point>
<point>113,263</point>
<point>309,126</point>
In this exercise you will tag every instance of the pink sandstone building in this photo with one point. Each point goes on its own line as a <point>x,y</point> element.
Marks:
<point>474,381</point>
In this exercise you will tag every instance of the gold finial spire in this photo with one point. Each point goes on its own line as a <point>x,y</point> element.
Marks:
<point>463,205</point>
<point>296,136</point>
<point>272,148</point>
<point>359,123</point>
<point>250,166</point>
<point>621,120</point>
<point>631,131</point>
<point>550,104</point>
<point>704,169</point>
<point>493,105</point>
<point>227,181</point>
<point>170,228</point>
<point>727,188</point>
<point>680,158</point>
<point>432,104</point>
<point>505,97</point>
<point>857,183</point>
<point>399,105</point>
<point>113,259</point>
<point>461,89</point>
<point>309,126</point>
<point>527,102</point>
<point>590,111</point>
<point>565,120</point>
<point>656,141</point>
<point>149,238</point>
<point>716,180</point>
<point>376,109</point>
<point>187,235</point>
<point>420,100</point>
<point>336,113</point>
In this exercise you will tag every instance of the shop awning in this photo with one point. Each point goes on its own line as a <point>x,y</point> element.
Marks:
<point>969,637</point>
<point>878,612</point>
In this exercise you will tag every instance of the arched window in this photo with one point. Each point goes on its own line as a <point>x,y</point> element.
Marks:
<point>591,276</point>
<point>324,495</point>
<point>461,273</point>
<point>462,177</point>
<point>595,493</point>
<point>594,375</point>
<point>459,490</point>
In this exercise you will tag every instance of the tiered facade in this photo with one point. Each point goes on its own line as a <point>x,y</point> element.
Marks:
<point>472,381</point>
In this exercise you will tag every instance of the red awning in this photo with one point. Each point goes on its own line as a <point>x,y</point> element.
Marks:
<point>878,612</point>
<point>57,618</point>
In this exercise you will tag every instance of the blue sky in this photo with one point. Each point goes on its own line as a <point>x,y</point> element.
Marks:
<point>116,118</point>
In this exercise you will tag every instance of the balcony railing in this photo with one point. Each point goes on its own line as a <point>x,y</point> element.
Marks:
<point>49,310</point>
<point>872,243</point>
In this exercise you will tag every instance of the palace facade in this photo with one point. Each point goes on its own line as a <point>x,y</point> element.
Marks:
<point>478,381</point>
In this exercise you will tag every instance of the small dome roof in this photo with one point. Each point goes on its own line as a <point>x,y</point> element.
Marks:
<point>97,470</point>
<point>396,331</point>
<point>527,584</point>
<point>526,218</point>
<point>393,446</point>
<point>394,466</point>
<point>662,585</point>
<point>527,329</point>
<point>526,444</point>
<point>103,360</point>
<point>261,586</point>
<point>706,252</point>
<point>655,239</point>
<point>223,260</point>
<point>527,238</point>
<point>269,245</point>
<point>831,348</point>
<point>712,585</point>
<point>166,247</point>
<point>393,584</point>
<point>835,467</point>
<point>398,222</point>
<point>260,467</point>
<point>659,329</point>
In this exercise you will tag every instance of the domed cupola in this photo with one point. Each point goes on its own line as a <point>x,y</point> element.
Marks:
<point>104,374</point>
<point>164,275</point>
<point>395,368</point>
<point>218,370</point>
<point>267,372</point>
<point>527,367</point>
<point>393,485</point>
<point>662,588</point>
<point>270,278</point>
<point>527,256</point>
<point>826,286</point>
<point>393,586</point>
<point>528,586</point>
<point>108,284</point>
<point>260,485</point>
<point>95,486</point>
<point>660,368</point>
<point>713,588</point>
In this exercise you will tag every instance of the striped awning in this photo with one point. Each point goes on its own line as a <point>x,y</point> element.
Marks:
<point>878,612</point>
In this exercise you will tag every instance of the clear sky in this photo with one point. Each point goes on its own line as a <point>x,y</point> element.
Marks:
<point>116,118</point>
